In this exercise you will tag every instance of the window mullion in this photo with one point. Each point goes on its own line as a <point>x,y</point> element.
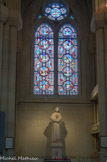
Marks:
<point>56,62</point>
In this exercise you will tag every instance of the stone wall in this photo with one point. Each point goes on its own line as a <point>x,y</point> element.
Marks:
<point>33,112</point>
<point>34,118</point>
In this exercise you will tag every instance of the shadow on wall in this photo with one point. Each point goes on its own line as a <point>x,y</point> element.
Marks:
<point>48,134</point>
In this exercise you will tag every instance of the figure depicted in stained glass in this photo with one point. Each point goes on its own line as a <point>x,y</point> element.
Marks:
<point>43,61</point>
<point>67,61</point>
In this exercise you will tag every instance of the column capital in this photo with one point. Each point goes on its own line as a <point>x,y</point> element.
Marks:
<point>3,13</point>
<point>15,19</point>
<point>99,18</point>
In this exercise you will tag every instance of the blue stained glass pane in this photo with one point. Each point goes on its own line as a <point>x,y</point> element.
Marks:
<point>57,5</point>
<point>67,45</point>
<point>61,90</point>
<point>44,58</point>
<point>74,65</point>
<point>49,51</point>
<point>44,44</point>
<point>39,16</point>
<point>44,31</point>
<point>71,17</point>
<point>44,71</point>
<point>36,78</point>
<point>67,58</point>
<point>61,64</point>
<point>43,61</point>
<point>50,64</point>
<point>74,79</point>
<point>37,50</point>
<point>55,11</point>
<point>67,85</point>
<point>75,90</point>
<point>36,90</point>
<point>73,52</point>
<point>51,17</point>
<point>67,61</point>
<point>74,42</point>
<point>61,79</point>
<point>47,10</point>
<point>60,18</point>
<point>43,85</point>
<point>67,71</point>
<point>60,51</point>
<point>67,32</point>
<point>63,10</point>
<point>51,81</point>
<point>74,35</point>
<point>37,64</point>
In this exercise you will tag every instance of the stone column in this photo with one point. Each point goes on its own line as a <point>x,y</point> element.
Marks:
<point>10,113</point>
<point>5,68</point>
<point>102,88</point>
<point>101,65</point>
<point>105,35</point>
<point>100,26</point>
<point>11,82</point>
<point>3,18</point>
<point>14,19</point>
<point>1,40</point>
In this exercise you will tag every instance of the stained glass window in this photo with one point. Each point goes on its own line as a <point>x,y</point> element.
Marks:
<point>67,61</point>
<point>43,61</point>
<point>72,17</point>
<point>55,11</point>
<point>39,16</point>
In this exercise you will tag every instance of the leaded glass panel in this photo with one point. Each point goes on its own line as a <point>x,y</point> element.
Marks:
<point>55,11</point>
<point>43,61</point>
<point>67,61</point>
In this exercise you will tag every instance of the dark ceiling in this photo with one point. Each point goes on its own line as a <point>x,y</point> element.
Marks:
<point>25,4</point>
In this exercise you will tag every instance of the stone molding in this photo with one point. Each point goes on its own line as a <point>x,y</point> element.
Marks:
<point>99,18</point>
<point>15,19</point>
<point>3,13</point>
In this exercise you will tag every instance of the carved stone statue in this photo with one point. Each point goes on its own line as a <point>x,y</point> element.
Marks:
<point>56,119</point>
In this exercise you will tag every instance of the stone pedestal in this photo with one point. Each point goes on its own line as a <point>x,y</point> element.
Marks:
<point>56,150</point>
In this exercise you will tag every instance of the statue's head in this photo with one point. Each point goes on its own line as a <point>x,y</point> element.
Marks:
<point>57,109</point>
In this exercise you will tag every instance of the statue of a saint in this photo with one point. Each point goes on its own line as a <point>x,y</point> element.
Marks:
<point>56,119</point>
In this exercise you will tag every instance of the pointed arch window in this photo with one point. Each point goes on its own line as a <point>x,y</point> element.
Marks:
<point>56,64</point>
<point>67,61</point>
<point>43,61</point>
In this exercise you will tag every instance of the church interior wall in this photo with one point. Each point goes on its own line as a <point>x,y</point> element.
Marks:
<point>33,113</point>
<point>34,118</point>
<point>86,53</point>
<point>27,116</point>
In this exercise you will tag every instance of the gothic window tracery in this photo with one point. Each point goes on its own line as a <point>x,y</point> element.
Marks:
<point>56,66</point>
